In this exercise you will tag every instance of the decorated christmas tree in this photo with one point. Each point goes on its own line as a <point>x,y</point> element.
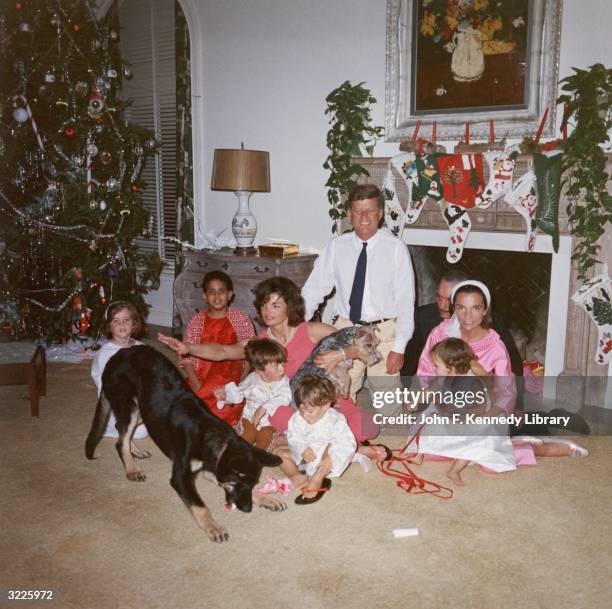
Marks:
<point>70,164</point>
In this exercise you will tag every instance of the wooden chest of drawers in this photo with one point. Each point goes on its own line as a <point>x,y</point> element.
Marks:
<point>246,272</point>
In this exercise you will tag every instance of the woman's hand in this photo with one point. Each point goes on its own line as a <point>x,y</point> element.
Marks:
<point>219,392</point>
<point>176,345</point>
<point>328,360</point>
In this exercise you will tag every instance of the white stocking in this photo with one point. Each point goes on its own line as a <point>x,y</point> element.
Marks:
<point>595,297</point>
<point>395,216</point>
<point>501,168</point>
<point>459,225</point>
<point>524,199</point>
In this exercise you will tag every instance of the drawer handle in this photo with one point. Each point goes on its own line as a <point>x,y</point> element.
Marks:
<point>265,269</point>
<point>480,219</point>
<point>196,284</point>
<point>225,266</point>
<point>200,263</point>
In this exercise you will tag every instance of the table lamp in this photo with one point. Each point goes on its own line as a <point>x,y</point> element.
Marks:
<point>244,172</point>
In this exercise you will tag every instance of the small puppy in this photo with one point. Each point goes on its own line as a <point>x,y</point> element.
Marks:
<point>363,337</point>
<point>141,382</point>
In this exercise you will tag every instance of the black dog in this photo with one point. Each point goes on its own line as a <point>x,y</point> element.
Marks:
<point>141,382</point>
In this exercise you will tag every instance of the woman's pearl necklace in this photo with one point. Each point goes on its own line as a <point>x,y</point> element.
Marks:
<point>290,334</point>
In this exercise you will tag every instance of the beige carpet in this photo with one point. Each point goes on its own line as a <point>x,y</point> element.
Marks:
<point>538,538</point>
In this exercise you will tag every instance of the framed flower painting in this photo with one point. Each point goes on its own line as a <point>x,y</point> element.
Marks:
<point>476,61</point>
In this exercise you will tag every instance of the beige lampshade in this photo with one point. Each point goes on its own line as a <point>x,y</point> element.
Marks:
<point>241,169</point>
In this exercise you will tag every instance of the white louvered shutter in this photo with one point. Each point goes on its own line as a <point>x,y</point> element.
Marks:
<point>148,44</point>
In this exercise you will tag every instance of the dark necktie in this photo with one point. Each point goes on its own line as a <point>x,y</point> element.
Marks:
<point>356,298</point>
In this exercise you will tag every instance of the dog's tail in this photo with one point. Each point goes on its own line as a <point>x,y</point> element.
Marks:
<point>98,426</point>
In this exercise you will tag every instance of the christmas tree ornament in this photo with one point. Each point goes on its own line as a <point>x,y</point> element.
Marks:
<point>76,27</point>
<point>111,73</point>
<point>42,90</point>
<point>81,87</point>
<point>78,160</point>
<point>103,205</point>
<point>91,148</point>
<point>547,168</point>
<point>127,73</point>
<point>18,6</point>
<point>134,187</point>
<point>55,20</point>
<point>151,144</point>
<point>69,133</point>
<point>95,44</point>
<point>49,77</point>
<point>25,27</point>
<point>95,106</point>
<point>99,128</point>
<point>138,150</point>
<point>106,157</point>
<point>595,297</point>
<point>112,185</point>
<point>113,34</point>
<point>20,115</point>
<point>93,204</point>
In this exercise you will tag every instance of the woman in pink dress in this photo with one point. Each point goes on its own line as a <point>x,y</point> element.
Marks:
<point>281,309</point>
<point>471,321</point>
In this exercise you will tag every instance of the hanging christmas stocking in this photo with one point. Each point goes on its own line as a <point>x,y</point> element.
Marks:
<point>501,168</point>
<point>395,218</point>
<point>462,178</point>
<point>459,225</point>
<point>429,184</point>
<point>548,173</point>
<point>595,297</point>
<point>523,198</point>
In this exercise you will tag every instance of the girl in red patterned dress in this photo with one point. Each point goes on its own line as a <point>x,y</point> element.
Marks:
<point>218,324</point>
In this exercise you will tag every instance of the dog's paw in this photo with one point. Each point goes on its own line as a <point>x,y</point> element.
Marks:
<point>136,476</point>
<point>216,532</point>
<point>270,503</point>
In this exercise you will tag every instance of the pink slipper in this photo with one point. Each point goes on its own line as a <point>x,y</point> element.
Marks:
<point>270,487</point>
<point>284,486</point>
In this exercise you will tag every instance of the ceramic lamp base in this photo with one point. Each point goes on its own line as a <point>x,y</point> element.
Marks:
<point>244,225</point>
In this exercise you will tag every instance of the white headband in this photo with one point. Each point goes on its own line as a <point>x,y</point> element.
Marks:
<point>481,286</point>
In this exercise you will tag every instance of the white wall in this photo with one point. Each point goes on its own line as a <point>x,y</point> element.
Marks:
<point>266,67</point>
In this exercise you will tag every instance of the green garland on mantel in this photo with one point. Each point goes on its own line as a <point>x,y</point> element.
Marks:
<point>588,95</point>
<point>351,131</point>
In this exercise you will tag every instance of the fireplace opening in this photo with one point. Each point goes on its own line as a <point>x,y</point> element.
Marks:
<point>519,283</point>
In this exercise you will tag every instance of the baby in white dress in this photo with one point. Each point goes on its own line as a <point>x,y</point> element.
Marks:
<point>319,438</point>
<point>264,390</point>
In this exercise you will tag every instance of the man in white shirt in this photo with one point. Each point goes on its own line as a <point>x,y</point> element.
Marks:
<point>372,273</point>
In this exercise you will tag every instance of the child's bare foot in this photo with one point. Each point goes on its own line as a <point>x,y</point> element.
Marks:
<point>455,477</point>
<point>298,480</point>
<point>375,452</point>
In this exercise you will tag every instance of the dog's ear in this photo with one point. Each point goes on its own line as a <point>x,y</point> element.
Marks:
<point>265,458</point>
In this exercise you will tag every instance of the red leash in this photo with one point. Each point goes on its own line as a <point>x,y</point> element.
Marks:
<point>407,480</point>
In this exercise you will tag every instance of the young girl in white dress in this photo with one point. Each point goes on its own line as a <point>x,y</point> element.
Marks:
<point>487,444</point>
<point>123,323</point>
<point>320,441</point>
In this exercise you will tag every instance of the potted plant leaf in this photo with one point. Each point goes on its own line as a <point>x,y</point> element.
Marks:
<point>351,133</point>
<point>588,95</point>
